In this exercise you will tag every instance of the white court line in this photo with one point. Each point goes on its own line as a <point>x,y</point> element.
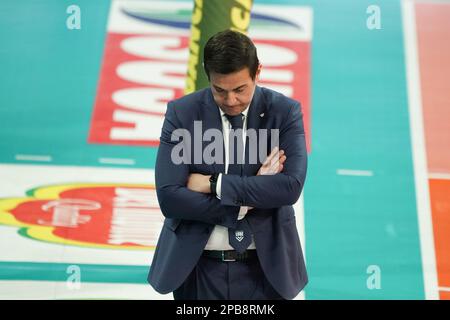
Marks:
<point>434,1</point>
<point>419,152</point>
<point>447,289</point>
<point>348,172</point>
<point>49,290</point>
<point>440,176</point>
<point>33,157</point>
<point>130,162</point>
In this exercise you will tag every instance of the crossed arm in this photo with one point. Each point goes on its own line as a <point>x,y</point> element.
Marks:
<point>272,165</point>
<point>183,195</point>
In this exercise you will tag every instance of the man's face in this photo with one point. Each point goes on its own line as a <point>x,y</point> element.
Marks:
<point>233,92</point>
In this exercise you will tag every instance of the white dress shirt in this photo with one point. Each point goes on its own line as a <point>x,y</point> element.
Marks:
<point>219,237</point>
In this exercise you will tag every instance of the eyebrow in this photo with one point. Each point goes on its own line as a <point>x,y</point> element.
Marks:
<point>237,88</point>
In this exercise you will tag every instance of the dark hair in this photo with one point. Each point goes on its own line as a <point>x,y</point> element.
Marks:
<point>230,51</point>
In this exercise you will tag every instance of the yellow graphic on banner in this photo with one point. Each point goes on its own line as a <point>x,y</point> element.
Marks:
<point>108,216</point>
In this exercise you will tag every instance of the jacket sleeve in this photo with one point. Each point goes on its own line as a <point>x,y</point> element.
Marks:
<point>175,199</point>
<point>273,191</point>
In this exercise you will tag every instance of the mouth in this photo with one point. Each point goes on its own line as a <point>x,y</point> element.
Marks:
<point>232,107</point>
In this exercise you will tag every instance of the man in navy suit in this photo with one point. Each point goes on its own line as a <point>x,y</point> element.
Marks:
<point>230,229</point>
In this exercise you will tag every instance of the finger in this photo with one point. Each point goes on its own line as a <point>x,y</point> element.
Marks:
<point>280,159</point>
<point>274,166</point>
<point>271,156</point>
<point>276,158</point>
<point>269,159</point>
<point>278,155</point>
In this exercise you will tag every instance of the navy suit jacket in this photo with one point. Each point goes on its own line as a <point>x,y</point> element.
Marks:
<point>191,216</point>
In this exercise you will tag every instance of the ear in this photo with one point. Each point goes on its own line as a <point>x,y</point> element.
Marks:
<point>258,71</point>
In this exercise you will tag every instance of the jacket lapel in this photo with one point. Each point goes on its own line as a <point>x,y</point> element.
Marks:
<point>212,120</point>
<point>256,120</point>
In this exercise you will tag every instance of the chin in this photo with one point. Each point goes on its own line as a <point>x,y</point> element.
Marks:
<point>233,111</point>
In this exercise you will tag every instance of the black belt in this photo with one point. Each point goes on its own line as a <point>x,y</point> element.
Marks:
<point>230,255</point>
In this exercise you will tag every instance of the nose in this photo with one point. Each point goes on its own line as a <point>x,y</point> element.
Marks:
<point>231,99</point>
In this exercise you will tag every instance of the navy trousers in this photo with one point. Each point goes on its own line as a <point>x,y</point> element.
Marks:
<point>213,279</point>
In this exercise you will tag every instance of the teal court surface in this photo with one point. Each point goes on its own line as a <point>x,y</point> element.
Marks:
<point>81,112</point>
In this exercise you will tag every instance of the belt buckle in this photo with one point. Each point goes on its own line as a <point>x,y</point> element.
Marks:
<point>226,260</point>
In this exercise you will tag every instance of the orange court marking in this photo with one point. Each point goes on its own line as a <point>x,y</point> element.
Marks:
<point>433,32</point>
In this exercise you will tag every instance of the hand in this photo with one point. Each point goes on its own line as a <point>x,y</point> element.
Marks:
<point>199,183</point>
<point>273,163</point>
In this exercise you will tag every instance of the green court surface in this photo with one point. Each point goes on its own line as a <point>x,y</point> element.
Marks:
<point>359,199</point>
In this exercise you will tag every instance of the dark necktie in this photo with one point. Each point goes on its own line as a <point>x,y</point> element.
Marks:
<point>235,140</point>
<point>239,238</point>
